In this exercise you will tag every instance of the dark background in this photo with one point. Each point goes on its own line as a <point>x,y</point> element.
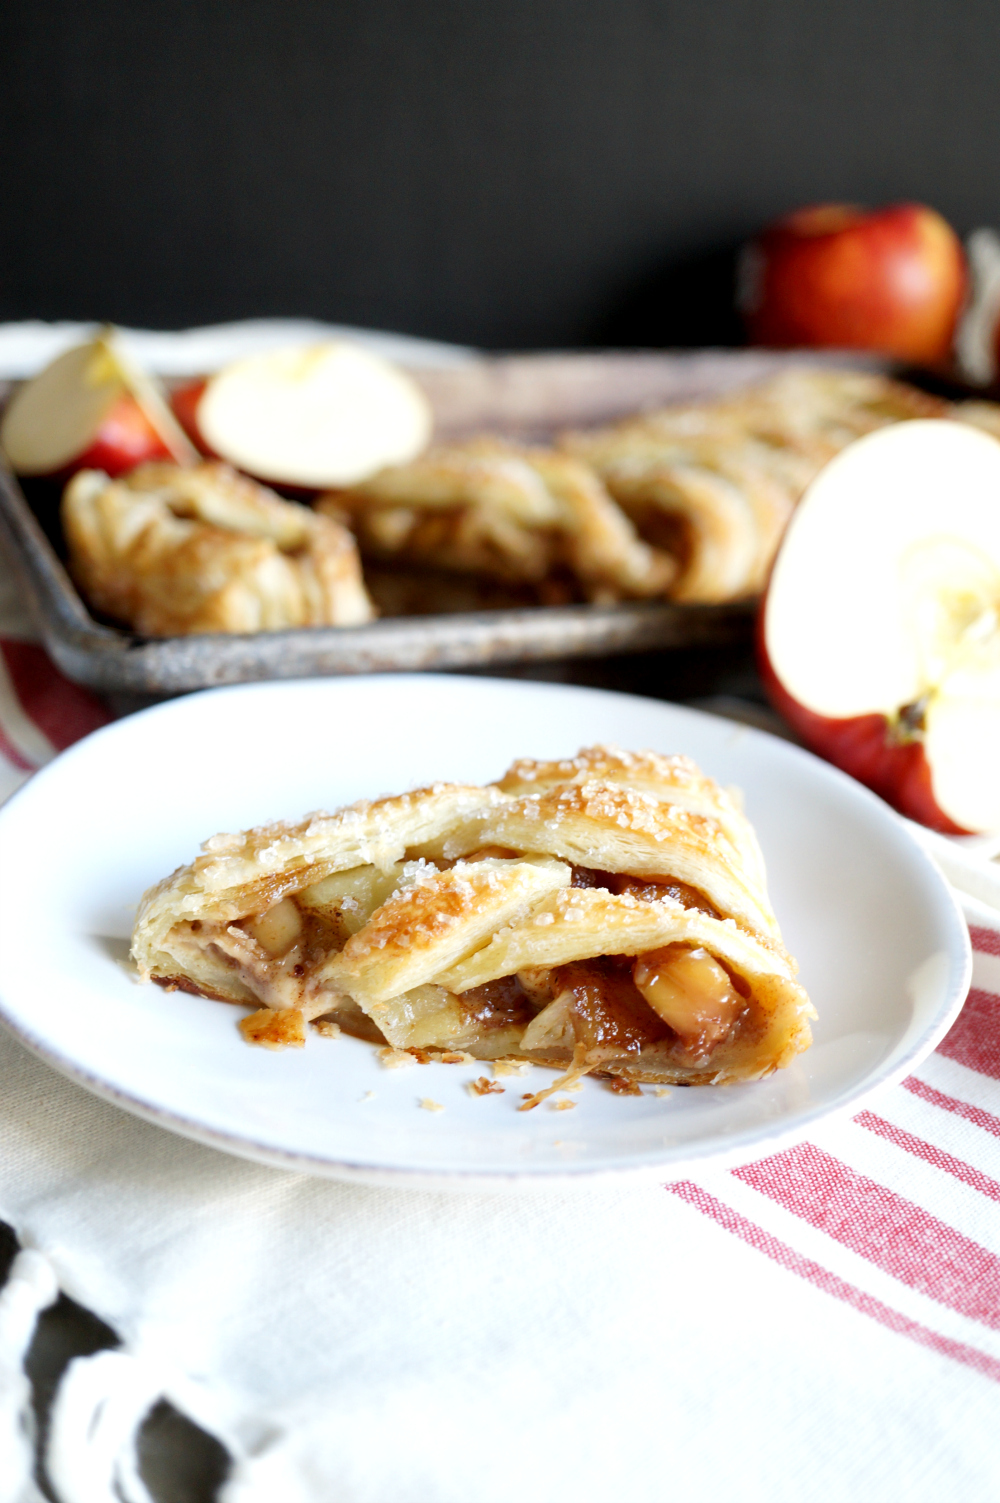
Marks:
<point>510,173</point>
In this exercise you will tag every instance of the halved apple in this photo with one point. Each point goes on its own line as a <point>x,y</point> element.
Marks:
<point>91,408</point>
<point>318,416</point>
<point>880,631</point>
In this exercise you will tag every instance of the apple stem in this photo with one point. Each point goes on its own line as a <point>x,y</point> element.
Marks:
<point>911,721</point>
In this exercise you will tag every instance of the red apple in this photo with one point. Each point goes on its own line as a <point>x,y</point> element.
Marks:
<point>184,405</point>
<point>89,409</point>
<point>313,417</point>
<point>835,275</point>
<point>880,631</point>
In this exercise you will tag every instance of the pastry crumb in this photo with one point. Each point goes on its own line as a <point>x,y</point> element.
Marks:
<point>396,1059</point>
<point>430,1106</point>
<point>661,1090</point>
<point>623,1087</point>
<point>368,1096</point>
<point>275,1028</point>
<point>457,1057</point>
<point>484,1087</point>
<point>325,1028</point>
<point>562,1105</point>
<point>510,1066</point>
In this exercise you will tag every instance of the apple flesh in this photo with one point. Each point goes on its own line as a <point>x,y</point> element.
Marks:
<point>315,417</point>
<point>834,275</point>
<point>89,409</point>
<point>880,632</point>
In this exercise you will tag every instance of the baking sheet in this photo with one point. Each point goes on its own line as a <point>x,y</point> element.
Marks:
<point>524,396</point>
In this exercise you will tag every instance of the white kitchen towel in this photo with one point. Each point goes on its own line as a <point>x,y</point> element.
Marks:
<point>26,347</point>
<point>820,1325</point>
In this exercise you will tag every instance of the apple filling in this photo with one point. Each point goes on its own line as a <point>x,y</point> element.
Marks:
<point>599,1013</point>
<point>646,889</point>
<point>690,991</point>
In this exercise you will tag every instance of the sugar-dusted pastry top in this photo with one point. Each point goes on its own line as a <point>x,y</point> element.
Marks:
<point>519,515</point>
<point>172,550</point>
<point>603,913</point>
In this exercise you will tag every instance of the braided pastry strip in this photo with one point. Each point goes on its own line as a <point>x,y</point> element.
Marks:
<point>519,515</point>
<point>715,482</point>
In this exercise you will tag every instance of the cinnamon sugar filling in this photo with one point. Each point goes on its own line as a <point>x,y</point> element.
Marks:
<point>602,1012</point>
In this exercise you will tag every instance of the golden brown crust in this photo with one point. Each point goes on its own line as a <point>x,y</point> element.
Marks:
<point>503,921</point>
<point>171,551</point>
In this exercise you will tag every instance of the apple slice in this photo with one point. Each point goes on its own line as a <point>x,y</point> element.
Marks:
<point>880,631</point>
<point>318,416</point>
<point>90,409</point>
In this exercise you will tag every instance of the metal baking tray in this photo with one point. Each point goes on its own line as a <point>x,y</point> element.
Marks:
<point>529,396</point>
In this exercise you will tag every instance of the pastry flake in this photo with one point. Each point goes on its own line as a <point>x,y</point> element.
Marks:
<point>172,550</point>
<point>603,914</point>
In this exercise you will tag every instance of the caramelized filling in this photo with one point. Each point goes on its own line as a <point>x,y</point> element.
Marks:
<point>609,1016</point>
<point>610,1007</point>
<point>286,927</point>
<point>497,1004</point>
<point>692,993</point>
<point>646,889</point>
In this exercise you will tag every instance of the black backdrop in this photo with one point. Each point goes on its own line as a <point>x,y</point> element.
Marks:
<point>507,172</point>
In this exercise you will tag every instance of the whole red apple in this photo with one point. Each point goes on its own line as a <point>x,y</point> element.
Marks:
<point>835,275</point>
<point>880,633</point>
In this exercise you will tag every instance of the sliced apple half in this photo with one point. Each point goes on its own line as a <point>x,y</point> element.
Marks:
<point>91,408</point>
<point>318,416</point>
<point>880,632</point>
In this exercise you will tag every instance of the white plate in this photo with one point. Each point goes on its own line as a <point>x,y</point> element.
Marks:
<point>882,945</point>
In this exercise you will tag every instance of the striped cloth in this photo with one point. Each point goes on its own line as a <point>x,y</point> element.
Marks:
<point>893,1214</point>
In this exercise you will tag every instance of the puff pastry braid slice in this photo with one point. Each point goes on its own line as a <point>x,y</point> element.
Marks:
<point>604,913</point>
<point>173,550</point>
<point>519,515</point>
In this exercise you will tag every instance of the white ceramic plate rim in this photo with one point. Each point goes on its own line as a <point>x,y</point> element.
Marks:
<point>741,1146</point>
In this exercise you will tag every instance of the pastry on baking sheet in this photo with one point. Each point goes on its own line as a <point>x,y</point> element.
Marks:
<point>715,482</point>
<point>172,550</point>
<point>519,515</point>
<point>607,914</point>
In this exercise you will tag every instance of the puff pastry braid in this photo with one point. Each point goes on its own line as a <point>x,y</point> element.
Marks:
<point>173,550</point>
<point>520,515</point>
<point>606,913</point>
<point>714,483</point>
